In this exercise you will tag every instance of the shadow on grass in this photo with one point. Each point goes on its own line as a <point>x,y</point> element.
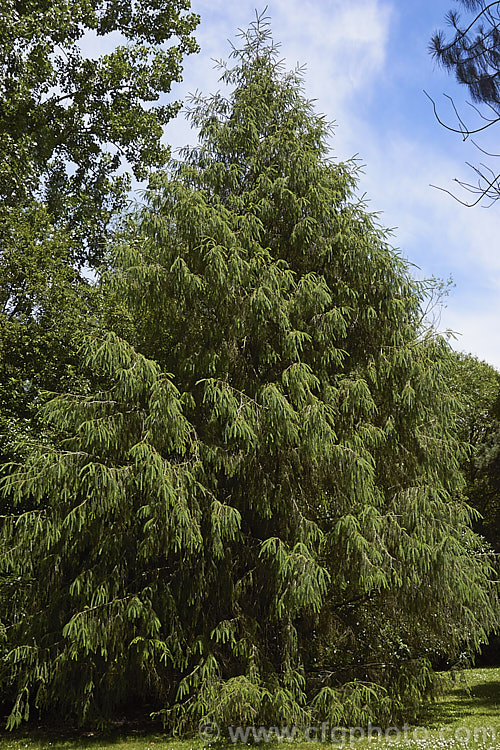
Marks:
<point>67,739</point>
<point>472,700</point>
<point>488,693</point>
<point>463,703</point>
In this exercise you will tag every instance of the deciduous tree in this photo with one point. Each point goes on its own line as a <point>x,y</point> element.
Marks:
<point>477,386</point>
<point>70,124</point>
<point>68,120</point>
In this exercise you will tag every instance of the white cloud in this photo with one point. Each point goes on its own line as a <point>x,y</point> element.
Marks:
<point>442,237</point>
<point>342,44</point>
<point>479,331</point>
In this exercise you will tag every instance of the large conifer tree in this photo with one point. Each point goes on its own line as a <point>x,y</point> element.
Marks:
<point>255,516</point>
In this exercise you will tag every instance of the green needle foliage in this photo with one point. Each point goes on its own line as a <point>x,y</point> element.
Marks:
<point>255,514</point>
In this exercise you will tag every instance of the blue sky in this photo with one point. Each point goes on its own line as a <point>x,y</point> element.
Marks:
<point>367,65</point>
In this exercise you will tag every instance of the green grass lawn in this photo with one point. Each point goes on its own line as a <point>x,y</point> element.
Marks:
<point>466,717</point>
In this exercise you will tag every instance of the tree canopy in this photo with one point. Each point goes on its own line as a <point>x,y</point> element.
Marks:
<point>71,125</point>
<point>472,55</point>
<point>477,386</point>
<point>254,513</point>
<point>69,120</point>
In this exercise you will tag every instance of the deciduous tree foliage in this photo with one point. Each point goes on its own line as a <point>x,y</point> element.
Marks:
<point>69,125</point>
<point>255,515</point>
<point>69,120</point>
<point>44,302</point>
<point>477,385</point>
